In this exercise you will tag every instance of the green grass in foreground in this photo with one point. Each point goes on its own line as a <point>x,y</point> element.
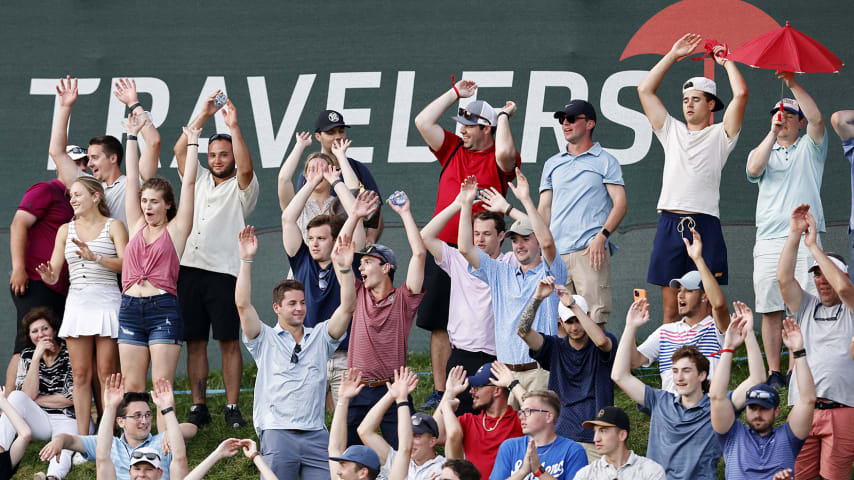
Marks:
<point>210,436</point>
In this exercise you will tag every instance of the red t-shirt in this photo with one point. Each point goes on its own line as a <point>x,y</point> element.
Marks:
<point>379,333</point>
<point>480,446</point>
<point>463,164</point>
<point>49,203</point>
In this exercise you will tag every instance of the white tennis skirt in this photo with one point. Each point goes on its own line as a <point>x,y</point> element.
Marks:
<point>91,309</point>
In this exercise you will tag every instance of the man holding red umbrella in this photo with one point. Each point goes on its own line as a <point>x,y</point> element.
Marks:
<point>694,156</point>
<point>788,170</point>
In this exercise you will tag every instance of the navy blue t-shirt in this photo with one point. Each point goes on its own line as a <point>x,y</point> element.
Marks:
<point>367,181</point>
<point>320,304</point>
<point>582,380</point>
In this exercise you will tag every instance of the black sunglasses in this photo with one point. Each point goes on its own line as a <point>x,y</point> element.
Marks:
<point>471,116</point>
<point>147,455</point>
<point>294,356</point>
<point>572,118</point>
<point>219,136</point>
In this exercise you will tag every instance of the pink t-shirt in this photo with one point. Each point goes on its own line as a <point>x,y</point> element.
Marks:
<point>49,203</point>
<point>379,334</point>
<point>471,322</point>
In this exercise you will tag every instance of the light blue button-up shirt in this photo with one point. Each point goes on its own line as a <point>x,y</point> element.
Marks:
<point>290,395</point>
<point>121,451</point>
<point>511,291</point>
<point>791,177</point>
<point>580,200</point>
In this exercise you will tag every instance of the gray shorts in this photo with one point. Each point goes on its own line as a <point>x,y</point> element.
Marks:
<point>293,454</point>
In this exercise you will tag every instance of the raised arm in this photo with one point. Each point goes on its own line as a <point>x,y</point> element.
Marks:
<point>789,286</point>
<point>19,445</point>
<point>415,273</point>
<point>114,389</point>
<point>404,384</point>
<point>465,239</point>
<point>133,210</point>
<point>801,415</point>
<point>843,124</point>
<point>541,229</point>
<point>493,201</point>
<point>368,428</point>
<point>723,413</point>
<point>49,271</point>
<point>350,387</point>
<point>126,92</point>
<point>503,377</point>
<point>652,106</point>
<point>593,330</point>
<point>291,233</point>
<point>758,159</point>
<point>180,149</point>
<point>339,149</point>
<point>430,232</point>
<point>180,226</point>
<point>227,448</point>
<point>427,121</point>
<point>242,158</point>
<point>505,147</point>
<point>837,278</point>
<point>815,124</point>
<point>66,168</point>
<point>734,114</point>
<point>342,260</point>
<point>285,183</point>
<point>455,384</point>
<point>453,430</point>
<point>533,338</point>
<point>364,206</point>
<point>165,400</point>
<point>249,320</point>
<point>621,372</point>
<point>713,291</point>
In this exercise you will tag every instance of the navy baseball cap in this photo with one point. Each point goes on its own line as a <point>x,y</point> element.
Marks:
<point>763,395</point>
<point>329,119</point>
<point>482,377</point>
<point>378,251</point>
<point>575,108</point>
<point>360,454</point>
<point>423,423</point>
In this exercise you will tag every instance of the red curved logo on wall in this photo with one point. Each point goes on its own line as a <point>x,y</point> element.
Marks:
<point>731,21</point>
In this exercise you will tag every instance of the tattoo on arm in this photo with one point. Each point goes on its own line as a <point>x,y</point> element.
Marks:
<point>527,318</point>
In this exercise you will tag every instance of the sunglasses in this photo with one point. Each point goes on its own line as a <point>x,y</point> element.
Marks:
<point>527,412</point>
<point>322,282</point>
<point>139,416</point>
<point>471,116</point>
<point>571,118</point>
<point>219,136</point>
<point>294,356</point>
<point>77,150</point>
<point>760,395</point>
<point>136,454</point>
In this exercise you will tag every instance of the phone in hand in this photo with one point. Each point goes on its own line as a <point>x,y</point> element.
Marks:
<point>639,293</point>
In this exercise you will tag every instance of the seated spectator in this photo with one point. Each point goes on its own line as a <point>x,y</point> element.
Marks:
<point>43,388</point>
<point>11,456</point>
<point>478,436</point>
<point>92,245</point>
<point>358,462</point>
<point>458,469</point>
<point>611,427</point>
<point>705,318</point>
<point>145,462</point>
<point>758,449</point>
<point>684,415</point>
<point>229,448</point>
<point>541,452</point>
<point>421,430</point>
<point>132,414</point>
<point>579,366</point>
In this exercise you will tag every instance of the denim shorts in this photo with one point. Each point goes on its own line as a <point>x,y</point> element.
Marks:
<point>151,320</point>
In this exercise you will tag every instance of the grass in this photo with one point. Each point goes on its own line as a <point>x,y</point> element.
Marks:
<point>237,467</point>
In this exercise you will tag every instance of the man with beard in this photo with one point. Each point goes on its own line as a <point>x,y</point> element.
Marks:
<point>226,193</point>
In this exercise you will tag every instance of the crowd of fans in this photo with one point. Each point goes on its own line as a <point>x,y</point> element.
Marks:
<point>523,367</point>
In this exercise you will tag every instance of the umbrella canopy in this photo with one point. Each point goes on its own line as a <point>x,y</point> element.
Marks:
<point>787,50</point>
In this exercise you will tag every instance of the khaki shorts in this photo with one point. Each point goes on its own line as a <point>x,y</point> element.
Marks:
<point>594,286</point>
<point>336,367</point>
<point>592,453</point>
<point>766,257</point>
<point>534,379</point>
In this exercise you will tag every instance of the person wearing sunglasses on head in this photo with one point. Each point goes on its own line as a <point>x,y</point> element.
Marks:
<point>105,153</point>
<point>540,452</point>
<point>132,413</point>
<point>583,200</point>
<point>226,194</point>
<point>695,153</point>
<point>290,387</point>
<point>827,323</point>
<point>758,450</point>
<point>487,151</point>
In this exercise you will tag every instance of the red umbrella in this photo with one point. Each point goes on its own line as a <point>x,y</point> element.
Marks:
<point>787,50</point>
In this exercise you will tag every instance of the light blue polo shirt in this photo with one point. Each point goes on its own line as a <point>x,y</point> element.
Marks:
<point>791,177</point>
<point>290,395</point>
<point>121,451</point>
<point>580,201</point>
<point>512,291</point>
<point>681,439</point>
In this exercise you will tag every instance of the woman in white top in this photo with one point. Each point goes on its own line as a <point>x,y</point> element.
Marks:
<point>92,244</point>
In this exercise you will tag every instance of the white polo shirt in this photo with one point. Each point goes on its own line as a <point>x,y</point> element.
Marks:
<point>219,215</point>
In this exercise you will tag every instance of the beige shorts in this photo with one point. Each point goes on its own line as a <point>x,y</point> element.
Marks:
<point>535,379</point>
<point>594,286</point>
<point>766,257</point>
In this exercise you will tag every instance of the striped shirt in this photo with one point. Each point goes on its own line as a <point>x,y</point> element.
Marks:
<point>53,379</point>
<point>670,336</point>
<point>82,271</point>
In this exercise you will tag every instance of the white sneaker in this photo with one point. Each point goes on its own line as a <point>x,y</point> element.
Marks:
<point>77,458</point>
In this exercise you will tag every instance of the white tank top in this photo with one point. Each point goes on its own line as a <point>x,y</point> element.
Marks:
<point>82,271</point>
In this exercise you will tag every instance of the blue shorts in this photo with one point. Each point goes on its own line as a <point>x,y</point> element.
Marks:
<point>669,258</point>
<point>145,321</point>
